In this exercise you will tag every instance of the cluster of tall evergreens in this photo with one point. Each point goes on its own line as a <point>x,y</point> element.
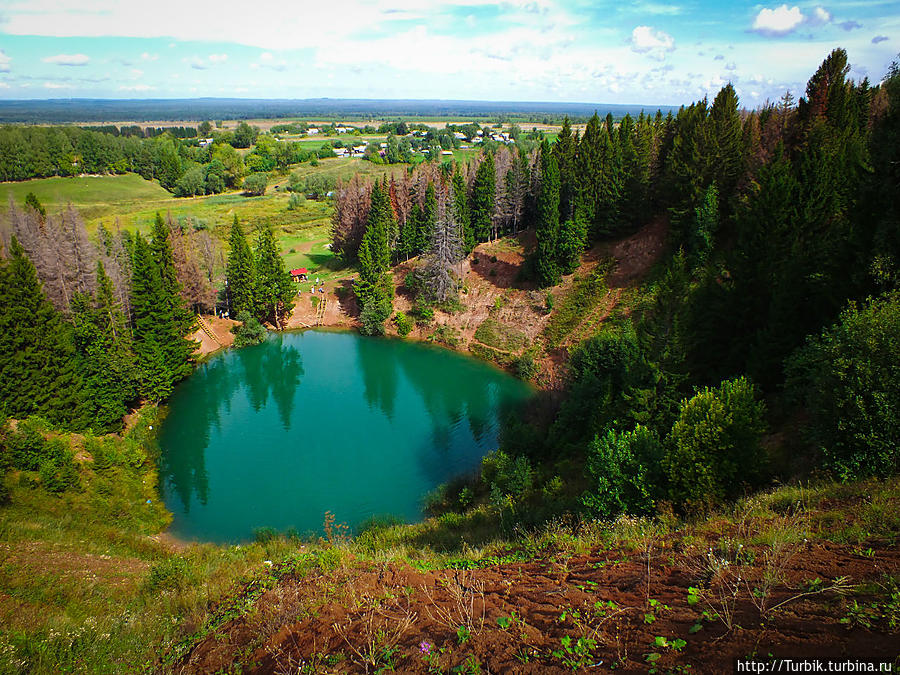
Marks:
<point>89,329</point>
<point>780,218</point>
<point>257,285</point>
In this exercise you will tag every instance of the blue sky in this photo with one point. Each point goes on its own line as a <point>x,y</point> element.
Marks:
<point>645,52</point>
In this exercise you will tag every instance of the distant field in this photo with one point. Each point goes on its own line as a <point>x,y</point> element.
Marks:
<point>86,191</point>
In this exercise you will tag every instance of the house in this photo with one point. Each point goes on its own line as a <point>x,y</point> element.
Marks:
<point>312,131</point>
<point>447,152</point>
<point>300,274</point>
<point>205,141</point>
<point>458,134</point>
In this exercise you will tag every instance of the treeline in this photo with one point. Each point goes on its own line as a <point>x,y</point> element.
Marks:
<point>182,167</point>
<point>143,132</point>
<point>91,327</point>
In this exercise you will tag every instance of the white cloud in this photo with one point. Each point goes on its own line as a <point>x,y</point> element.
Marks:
<point>147,56</point>
<point>136,73</point>
<point>266,56</point>
<point>67,59</point>
<point>3,85</point>
<point>820,16</point>
<point>779,21</point>
<point>58,85</point>
<point>218,58</point>
<point>4,62</point>
<point>647,40</point>
<point>136,87</point>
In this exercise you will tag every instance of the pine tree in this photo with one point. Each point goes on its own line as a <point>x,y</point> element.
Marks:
<point>109,365</point>
<point>374,289</point>
<point>547,254</point>
<point>240,273</point>
<point>445,250</point>
<point>39,372</point>
<point>274,288</point>
<point>727,140</point>
<point>565,151</point>
<point>428,221</point>
<point>461,212</point>
<point>483,192</point>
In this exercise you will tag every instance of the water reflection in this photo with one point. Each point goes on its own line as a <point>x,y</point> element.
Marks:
<point>274,435</point>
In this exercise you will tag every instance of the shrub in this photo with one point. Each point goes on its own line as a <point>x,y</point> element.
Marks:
<point>623,471</point>
<point>404,324</point>
<point>172,573</point>
<point>249,332</point>
<point>848,378</point>
<point>296,201</point>
<point>714,446</point>
<point>26,446</point>
<point>58,471</point>
<point>526,367</point>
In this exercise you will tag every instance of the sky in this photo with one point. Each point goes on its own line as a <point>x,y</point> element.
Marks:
<point>645,52</point>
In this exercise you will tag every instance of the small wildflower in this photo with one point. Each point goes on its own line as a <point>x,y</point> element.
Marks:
<point>424,647</point>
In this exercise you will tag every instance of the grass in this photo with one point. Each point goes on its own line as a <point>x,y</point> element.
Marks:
<point>90,194</point>
<point>585,295</point>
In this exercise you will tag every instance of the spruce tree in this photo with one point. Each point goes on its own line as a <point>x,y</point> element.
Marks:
<point>240,273</point>
<point>39,372</point>
<point>374,289</point>
<point>428,221</point>
<point>461,212</point>
<point>274,288</point>
<point>484,189</point>
<point>547,254</point>
<point>565,151</point>
<point>109,365</point>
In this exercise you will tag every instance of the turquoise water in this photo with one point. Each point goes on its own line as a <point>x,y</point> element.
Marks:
<point>275,435</point>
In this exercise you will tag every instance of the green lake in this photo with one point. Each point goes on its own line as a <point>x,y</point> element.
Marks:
<point>275,435</point>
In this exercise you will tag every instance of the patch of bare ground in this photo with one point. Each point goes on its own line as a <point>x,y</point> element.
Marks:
<point>518,617</point>
<point>213,333</point>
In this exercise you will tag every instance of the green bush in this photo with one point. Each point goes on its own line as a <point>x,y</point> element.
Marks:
<point>848,378</point>
<point>27,446</point>
<point>249,332</point>
<point>526,367</point>
<point>714,446</point>
<point>623,469</point>
<point>58,470</point>
<point>404,324</point>
<point>296,201</point>
<point>172,573</point>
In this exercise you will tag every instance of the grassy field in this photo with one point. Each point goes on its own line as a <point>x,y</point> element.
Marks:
<point>89,193</point>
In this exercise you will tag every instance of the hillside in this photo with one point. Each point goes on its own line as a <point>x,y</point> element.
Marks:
<point>783,575</point>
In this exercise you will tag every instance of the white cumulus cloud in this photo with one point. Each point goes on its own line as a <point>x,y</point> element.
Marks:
<point>218,58</point>
<point>136,87</point>
<point>67,59</point>
<point>820,16</point>
<point>147,56</point>
<point>648,40</point>
<point>4,62</point>
<point>778,21</point>
<point>57,85</point>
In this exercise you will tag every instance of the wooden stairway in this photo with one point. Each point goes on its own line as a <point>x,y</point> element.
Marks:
<point>206,328</point>
<point>320,311</point>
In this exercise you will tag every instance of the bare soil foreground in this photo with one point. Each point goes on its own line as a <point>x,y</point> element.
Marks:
<point>635,608</point>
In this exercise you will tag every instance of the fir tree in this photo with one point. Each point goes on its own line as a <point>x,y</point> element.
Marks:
<point>240,273</point>
<point>547,254</point>
<point>565,152</point>
<point>39,372</point>
<point>461,212</point>
<point>484,189</point>
<point>274,288</point>
<point>428,221</point>
<point>374,289</point>
<point>108,362</point>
